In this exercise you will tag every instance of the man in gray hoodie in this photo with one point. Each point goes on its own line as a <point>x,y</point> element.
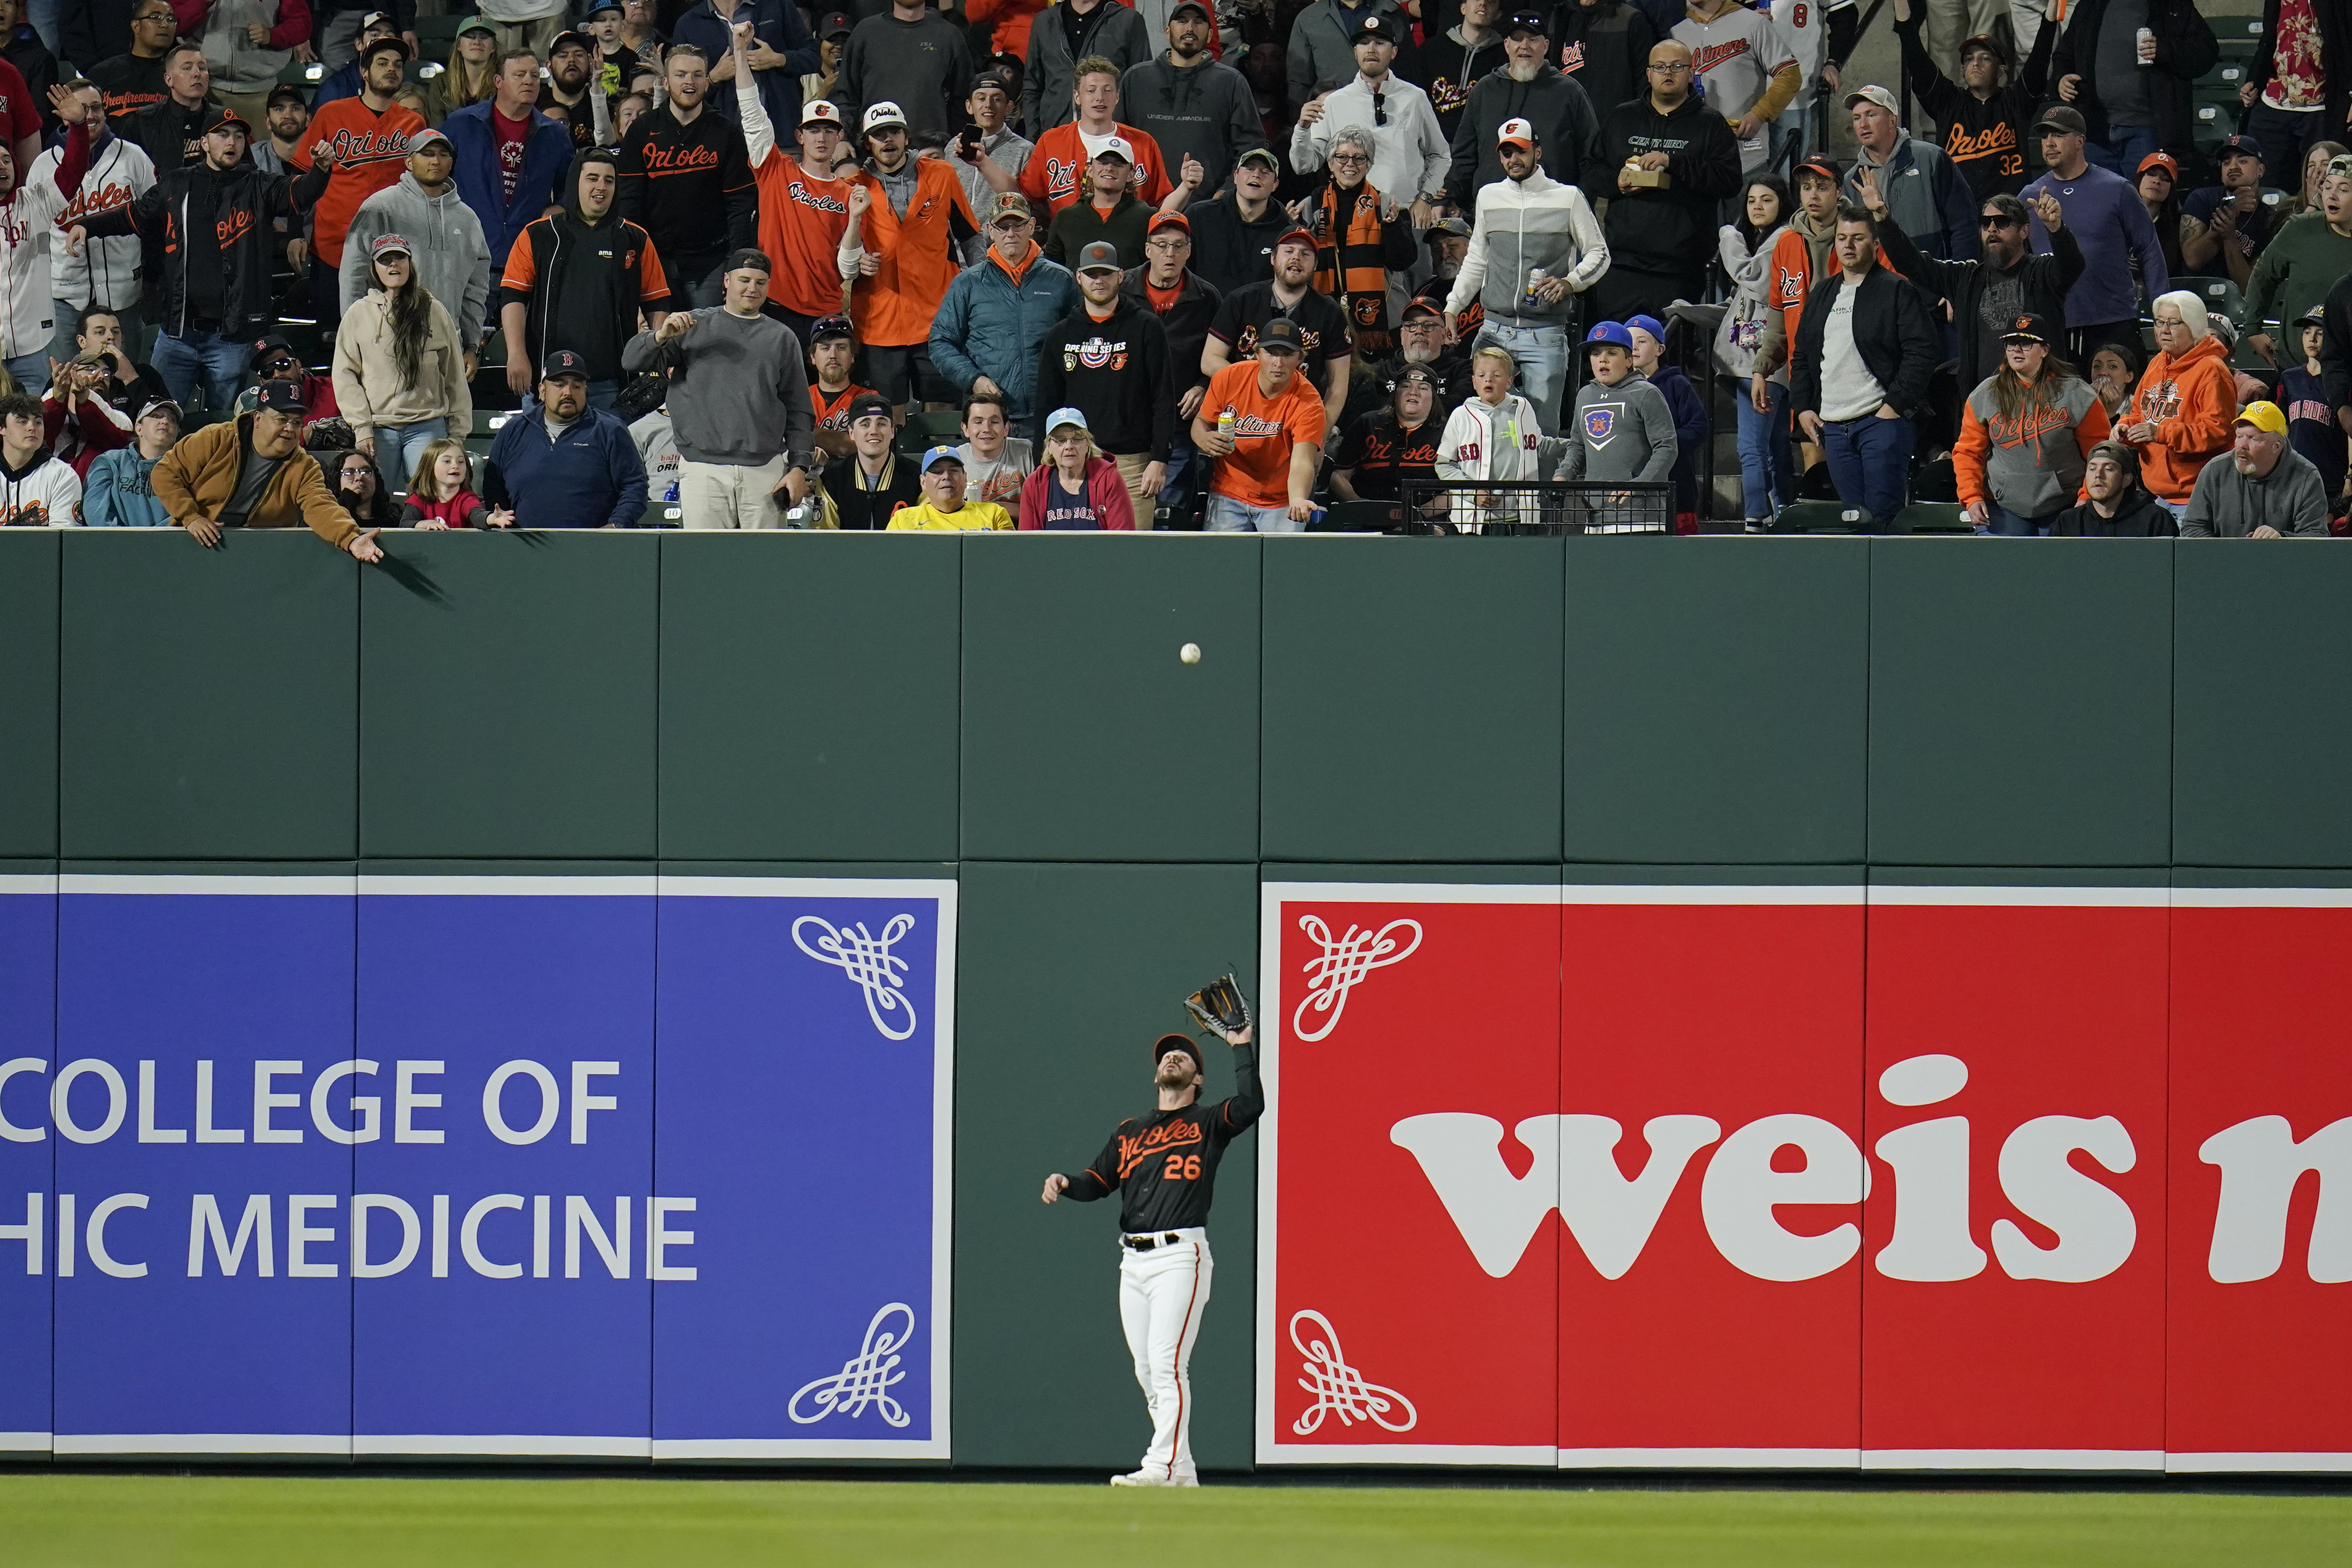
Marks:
<point>1323,47</point>
<point>1193,106</point>
<point>2263,489</point>
<point>738,403</point>
<point>446,240</point>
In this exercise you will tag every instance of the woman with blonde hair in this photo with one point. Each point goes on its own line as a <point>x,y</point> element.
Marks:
<point>400,369</point>
<point>441,495</point>
<point>2026,434</point>
<point>1076,487</point>
<point>471,76</point>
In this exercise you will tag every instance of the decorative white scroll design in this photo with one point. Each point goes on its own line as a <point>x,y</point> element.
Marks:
<point>1345,961</point>
<point>865,1379</point>
<point>867,960</point>
<point>1340,1389</point>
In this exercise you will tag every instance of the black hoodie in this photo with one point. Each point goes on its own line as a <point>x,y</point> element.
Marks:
<point>1566,130</point>
<point>1116,372</point>
<point>2137,518</point>
<point>1450,69</point>
<point>1229,250</point>
<point>587,281</point>
<point>690,187</point>
<point>1666,230</point>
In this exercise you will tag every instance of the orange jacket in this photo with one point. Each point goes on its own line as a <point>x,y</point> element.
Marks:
<point>1011,20</point>
<point>2192,402</point>
<point>894,307</point>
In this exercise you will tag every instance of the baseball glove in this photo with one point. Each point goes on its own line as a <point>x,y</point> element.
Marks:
<point>1220,1006</point>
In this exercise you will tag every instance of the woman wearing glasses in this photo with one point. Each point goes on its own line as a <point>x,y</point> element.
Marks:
<point>1362,237</point>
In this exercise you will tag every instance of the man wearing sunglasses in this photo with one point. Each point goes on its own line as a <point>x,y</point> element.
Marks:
<point>1409,152</point>
<point>1988,296</point>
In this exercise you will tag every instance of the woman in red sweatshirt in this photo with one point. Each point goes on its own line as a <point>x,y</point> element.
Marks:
<point>1074,487</point>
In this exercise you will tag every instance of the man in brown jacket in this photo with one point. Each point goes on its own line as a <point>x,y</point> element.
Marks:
<point>251,472</point>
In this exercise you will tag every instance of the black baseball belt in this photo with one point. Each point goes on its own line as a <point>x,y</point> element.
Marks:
<point>1146,1243</point>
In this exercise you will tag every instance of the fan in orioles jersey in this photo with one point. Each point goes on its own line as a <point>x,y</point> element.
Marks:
<point>803,208</point>
<point>1164,1166</point>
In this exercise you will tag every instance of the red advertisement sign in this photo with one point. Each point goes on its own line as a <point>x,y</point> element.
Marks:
<point>1946,1178</point>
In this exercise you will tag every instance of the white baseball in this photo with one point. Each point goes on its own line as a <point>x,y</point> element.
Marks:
<point>1190,652</point>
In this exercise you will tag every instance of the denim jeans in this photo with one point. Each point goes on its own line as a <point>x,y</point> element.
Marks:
<point>1227,515</point>
<point>2126,145</point>
<point>1870,459</point>
<point>1765,465</point>
<point>1185,471</point>
<point>45,16</point>
<point>1542,356</point>
<point>30,373</point>
<point>398,448</point>
<point>218,361</point>
<point>2009,525</point>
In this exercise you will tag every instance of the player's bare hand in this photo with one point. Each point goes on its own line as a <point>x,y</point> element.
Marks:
<point>1055,1185</point>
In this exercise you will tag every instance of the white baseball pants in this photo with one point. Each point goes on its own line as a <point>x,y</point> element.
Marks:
<point>1162,1294</point>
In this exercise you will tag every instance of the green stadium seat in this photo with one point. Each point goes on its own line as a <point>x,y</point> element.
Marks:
<point>936,426</point>
<point>296,74</point>
<point>2220,294</point>
<point>1359,517</point>
<point>1819,516</point>
<point>488,422</point>
<point>1932,517</point>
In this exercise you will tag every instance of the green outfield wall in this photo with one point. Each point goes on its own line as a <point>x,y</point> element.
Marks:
<point>1013,708</point>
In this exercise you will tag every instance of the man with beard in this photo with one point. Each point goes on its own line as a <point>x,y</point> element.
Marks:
<point>571,62</point>
<point>1194,107</point>
<point>561,462</point>
<point>368,136</point>
<point>2114,506</point>
<point>685,176</point>
<point>1421,345</point>
<point>1318,327</point>
<point>1108,359</point>
<point>1534,248</point>
<point>446,245</point>
<point>1528,88</point>
<point>2261,489</point>
<point>576,280</point>
<point>2009,281</point>
<point>1984,116</point>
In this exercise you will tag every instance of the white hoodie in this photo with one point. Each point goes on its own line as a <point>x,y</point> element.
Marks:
<point>1494,441</point>
<point>48,495</point>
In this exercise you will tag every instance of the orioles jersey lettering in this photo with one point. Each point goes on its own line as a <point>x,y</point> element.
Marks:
<point>1164,1165</point>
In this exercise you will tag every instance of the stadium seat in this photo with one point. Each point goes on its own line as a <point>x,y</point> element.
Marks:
<point>1931,517</point>
<point>935,426</point>
<point>1820,517</point>
<point>488,422</point>
<point>2221,295</point>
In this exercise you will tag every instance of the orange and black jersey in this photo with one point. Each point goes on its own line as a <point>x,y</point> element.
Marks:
<point>1164,1165</point>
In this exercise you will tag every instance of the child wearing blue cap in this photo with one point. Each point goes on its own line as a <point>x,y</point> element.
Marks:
<point>1684,403</point>
<point>1620,429</point>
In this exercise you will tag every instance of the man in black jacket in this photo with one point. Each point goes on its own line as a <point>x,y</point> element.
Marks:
<point>1526,86</point>
<point>686,177</point>
<point>210,301</point>
<point>1108,360</point>
<point>1865,347</point>
<point>2010,282</point>
<point>1185,303</point>
<point>1233,237</point>
<point>579,279</point>
<point>1666,161</point>
<point>1194,107</point>
<point>171,132</point>
<point>1602,45</point>
<point>2134,100</point>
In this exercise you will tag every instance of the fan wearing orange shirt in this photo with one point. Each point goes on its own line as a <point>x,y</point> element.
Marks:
<point>1263,464</point>
<point>907,222</point>
<point>1057,170</point>
<point>803,208</point>
<point>367,138</point>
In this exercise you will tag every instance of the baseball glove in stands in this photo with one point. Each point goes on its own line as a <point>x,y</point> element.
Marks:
<point>1220,1006</point>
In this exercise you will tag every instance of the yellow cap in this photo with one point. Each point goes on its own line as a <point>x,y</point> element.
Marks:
<point>2263,416</point>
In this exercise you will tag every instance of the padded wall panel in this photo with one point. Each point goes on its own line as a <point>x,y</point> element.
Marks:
<point>1085,738</point>
<point>209,697</point>
<point>2021,702</point>
<point>2260,740</point>
<point>507,705</point>
<point>809,695</point>
<point>1067,973</point>
<point>28,973</point>
<point>29,564</point>
<point>1716,694</point>
<point>1412,699</point>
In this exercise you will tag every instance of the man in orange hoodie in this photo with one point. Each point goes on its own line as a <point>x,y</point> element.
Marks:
<point>913,211</point>
<point>2181,417</point>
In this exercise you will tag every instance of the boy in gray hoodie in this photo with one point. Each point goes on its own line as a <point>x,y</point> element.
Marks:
<point>1621,430</point>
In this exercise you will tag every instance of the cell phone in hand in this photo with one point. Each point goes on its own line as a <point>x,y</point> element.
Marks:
<point>968,142</point>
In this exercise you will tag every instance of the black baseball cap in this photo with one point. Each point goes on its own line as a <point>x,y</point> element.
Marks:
<point>1281,332</point>
<point>1165,1044</point>
<point>873,402</point>
<point>390,41</point>
<point>1375,24</point>
<point>280,398</point>
<point>1421,305</point>
<point>835,24</point>
<point>569,36</point>
<point>2243,146</point>
<point>756,260</point>
<point>267,350</point>
<point>595,8</point>
<point>282,93</point>
<point>2029,328</point>
<point>1524,22</point>
<point>990,78</point>
<point>563,362</point>
<point>827,328</point>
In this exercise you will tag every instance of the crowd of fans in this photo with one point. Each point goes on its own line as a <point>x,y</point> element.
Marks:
<point>1245,265</point>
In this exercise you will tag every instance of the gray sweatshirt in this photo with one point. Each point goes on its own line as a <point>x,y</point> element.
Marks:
<point>2227,504</point>
<point>741,396</point>
<point>1621,432</point>
<point>444,242</point>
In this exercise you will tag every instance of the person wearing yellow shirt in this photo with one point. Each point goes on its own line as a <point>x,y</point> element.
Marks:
<point>943,508</point>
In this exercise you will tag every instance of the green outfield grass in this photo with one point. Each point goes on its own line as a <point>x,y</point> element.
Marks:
<point>258,1521</point>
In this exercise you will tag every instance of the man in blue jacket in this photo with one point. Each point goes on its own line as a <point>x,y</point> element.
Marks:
<point>481,182</point>
<point>561,464</point>
<point>998,311</point>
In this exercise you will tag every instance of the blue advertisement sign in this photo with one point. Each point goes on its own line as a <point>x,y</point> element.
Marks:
<point>478,1165</point>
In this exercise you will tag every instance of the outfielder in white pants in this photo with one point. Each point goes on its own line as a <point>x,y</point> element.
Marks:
<point>1161,1295</point>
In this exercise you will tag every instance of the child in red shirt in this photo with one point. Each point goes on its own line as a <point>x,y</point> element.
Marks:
<point>442,495</point>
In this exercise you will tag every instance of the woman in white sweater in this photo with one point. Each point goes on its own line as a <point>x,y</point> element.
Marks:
<point>400,371</point>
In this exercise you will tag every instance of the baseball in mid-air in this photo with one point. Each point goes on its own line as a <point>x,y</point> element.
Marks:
<point>1190,652</point>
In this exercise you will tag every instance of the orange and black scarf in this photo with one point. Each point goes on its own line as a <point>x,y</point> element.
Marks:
<point>1350,264</point>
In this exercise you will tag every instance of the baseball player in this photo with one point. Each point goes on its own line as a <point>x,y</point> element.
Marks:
<point>1165,1168</point>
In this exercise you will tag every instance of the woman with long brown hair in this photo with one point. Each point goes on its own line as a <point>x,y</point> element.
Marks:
<point>2025,435</point>
<point>471,76</point>
<point>400,371</point>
